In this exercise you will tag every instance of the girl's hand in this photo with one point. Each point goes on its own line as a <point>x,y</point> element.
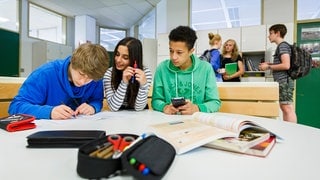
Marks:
<point>140,76</point>
<point>127,74</point>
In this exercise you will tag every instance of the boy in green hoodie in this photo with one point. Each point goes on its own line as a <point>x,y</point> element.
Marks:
<point>184,75</point>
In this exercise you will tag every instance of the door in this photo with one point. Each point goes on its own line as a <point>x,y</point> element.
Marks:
<point>308,88</point>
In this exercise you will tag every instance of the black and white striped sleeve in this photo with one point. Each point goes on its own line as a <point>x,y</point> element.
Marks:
<point>142,96</point>
<point>114,98</point>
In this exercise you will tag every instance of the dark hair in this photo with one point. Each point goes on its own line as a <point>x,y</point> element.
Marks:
<point>183,34</point>
<point>135,55</point>
<point>279,28</point>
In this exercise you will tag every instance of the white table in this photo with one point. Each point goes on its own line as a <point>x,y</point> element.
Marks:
<point>297,157</point>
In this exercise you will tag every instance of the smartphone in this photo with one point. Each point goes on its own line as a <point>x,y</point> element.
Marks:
<point>178,101</point>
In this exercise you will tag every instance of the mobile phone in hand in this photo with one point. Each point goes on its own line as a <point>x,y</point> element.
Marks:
<point>178,101</point>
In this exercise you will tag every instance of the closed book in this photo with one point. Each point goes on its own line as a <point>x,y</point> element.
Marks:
<point>231,68</point>
<point>262,149</point>
<point>247,139</point>
<point>62,138</point>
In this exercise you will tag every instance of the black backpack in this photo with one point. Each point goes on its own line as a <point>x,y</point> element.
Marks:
<point>206,55</point>
<point>300,62</point>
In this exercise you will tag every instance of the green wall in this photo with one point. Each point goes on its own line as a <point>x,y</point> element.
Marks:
<point>9,48</point>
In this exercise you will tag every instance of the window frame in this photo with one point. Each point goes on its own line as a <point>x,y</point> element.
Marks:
<point>63,39</point>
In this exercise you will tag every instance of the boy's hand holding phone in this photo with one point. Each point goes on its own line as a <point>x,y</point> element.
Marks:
<point>178,101</point>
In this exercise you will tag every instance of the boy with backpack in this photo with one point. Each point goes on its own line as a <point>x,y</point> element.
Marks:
<point>280,67</point>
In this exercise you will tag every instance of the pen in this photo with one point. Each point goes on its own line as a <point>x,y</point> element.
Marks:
<point>143,136</point>
<point>73,115</point>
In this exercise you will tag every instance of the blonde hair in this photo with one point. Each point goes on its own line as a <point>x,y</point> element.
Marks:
<point>91,59</point>
<point>235,50</point>
<point>214,38</point>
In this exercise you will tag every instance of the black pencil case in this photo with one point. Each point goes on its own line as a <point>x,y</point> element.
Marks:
<point>63,138</point>
<point>153,157</point>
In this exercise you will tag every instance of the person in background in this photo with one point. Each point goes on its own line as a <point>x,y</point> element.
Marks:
<point>281,63</point>
<point>62,89</point>
<point>230,54</point>
<point>215,42</point>
<point>127,82</point>
<point>184,75</point>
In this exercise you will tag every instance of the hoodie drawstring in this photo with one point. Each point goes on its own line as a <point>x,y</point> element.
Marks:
<point>191,86</point>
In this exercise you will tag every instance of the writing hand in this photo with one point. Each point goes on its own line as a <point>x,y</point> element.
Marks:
<point>62,112</point>
<point>85,109</point>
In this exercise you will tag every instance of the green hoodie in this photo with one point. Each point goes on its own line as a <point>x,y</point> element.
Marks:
<point>197,83</point>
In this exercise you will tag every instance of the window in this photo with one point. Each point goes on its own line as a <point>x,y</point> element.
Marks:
<point>217,14</point>
<point>147,28</point>
<point>46,25</point>
<point>308,9</point>
<point>9,15</point>
<point>110,37</point>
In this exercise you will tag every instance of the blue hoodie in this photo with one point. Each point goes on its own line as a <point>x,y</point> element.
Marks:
<point>48,86</point>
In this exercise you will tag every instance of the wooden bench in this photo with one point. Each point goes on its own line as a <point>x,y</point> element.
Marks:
<point>248,98</point>
<point>9,87</point>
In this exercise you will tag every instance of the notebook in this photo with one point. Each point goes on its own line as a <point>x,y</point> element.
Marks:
<point>231,68</point>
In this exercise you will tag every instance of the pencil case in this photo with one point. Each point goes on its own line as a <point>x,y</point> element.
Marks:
<point>147,158</point>
<point>63,138</point>
<point>17,122</point>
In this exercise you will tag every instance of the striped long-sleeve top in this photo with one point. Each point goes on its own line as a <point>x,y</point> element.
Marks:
<point>117,98</point>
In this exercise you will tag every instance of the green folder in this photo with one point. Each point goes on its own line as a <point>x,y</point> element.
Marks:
<point>231,68</point>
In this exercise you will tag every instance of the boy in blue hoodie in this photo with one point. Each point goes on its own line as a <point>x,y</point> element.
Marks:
<point>184,75</point>
<point>62,89</point>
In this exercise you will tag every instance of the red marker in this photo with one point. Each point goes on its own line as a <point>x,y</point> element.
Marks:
<point>135,65</point>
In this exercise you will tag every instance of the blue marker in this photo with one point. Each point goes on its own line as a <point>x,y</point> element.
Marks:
<point>145,171</point>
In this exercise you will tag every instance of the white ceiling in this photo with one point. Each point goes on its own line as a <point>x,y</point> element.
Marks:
<point>119,14</point>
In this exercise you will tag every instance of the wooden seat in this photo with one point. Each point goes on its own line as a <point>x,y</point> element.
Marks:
<point>150,98</point>
<point>9,87</point>
<point>250,98</point>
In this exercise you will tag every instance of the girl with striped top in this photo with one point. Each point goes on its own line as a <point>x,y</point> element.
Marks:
<point>127,82</point>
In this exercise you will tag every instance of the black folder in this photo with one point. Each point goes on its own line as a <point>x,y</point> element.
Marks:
<point>63,138</point>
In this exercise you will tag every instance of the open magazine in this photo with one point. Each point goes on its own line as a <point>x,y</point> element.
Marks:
<point>204,128</point>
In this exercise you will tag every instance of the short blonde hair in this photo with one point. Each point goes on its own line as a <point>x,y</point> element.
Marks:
<point>91,59</point>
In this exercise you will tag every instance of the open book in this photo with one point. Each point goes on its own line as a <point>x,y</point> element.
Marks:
<point>204,128</point>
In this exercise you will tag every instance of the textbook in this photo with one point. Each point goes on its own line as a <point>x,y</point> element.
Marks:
<point>204,128</point>
<point>261,150</point>
<point>231,68</point>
